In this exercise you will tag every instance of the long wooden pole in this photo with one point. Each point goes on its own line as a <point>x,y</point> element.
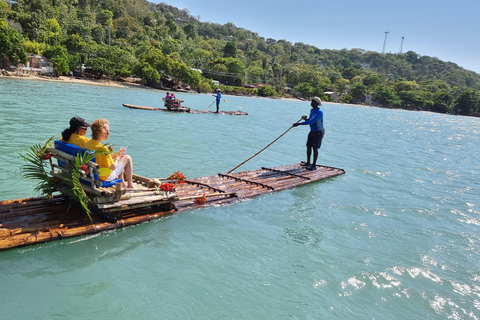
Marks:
<point>265,147</point>
<point>208,107</point>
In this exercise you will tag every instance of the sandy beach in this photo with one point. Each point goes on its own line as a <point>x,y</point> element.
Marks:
<point>76,80</point>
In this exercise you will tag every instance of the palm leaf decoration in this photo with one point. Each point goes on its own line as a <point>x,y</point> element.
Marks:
<point>35,168</point>
<point>73,180</point>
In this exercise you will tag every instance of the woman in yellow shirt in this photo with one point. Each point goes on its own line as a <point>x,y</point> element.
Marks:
<point>112,165</point>
<point>76,133</point>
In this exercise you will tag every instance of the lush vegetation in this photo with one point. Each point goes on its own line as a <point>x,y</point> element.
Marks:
<point>121,38</point>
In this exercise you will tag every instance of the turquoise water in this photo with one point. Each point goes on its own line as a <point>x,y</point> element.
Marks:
<point>396,237</point>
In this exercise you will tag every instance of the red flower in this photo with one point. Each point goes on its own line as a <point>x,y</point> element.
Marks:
<point>201,200</point>
<point>85,168</point>
<point>178,176</point>
<point>167,187</point>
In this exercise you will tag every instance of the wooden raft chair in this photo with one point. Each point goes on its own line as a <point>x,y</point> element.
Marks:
<point>100,191</point>
<point>168,103</point>
<point>110,198</point>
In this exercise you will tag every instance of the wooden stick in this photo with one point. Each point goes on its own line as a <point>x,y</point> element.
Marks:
<point>263,148</point>
<point>208,107</point>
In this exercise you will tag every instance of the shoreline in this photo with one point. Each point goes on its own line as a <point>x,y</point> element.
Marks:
<point>120,84</point>
<point>66,79</point>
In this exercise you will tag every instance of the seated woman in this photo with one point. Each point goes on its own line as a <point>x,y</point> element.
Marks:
<point>76,133</point>
<point>112,165</point>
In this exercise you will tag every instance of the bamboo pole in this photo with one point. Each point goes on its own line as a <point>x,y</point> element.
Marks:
<point>263,148</point>
<point>208,107</point>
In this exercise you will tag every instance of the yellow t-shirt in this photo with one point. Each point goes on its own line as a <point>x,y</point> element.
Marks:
<point>77,140</point>
<point>104,160</point>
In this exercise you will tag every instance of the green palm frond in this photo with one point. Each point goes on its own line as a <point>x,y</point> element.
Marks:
<point>73,180</point>
<point>35,168</point>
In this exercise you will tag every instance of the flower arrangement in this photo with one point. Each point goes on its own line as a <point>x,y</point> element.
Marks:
<point>167,187</point>
<point>201,200</point>
<point>177,176</point>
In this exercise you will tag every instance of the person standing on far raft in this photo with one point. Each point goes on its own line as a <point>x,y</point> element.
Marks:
<point>219,97</point>
<point>315,136</point>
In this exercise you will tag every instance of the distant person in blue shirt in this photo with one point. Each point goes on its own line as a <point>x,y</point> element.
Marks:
<point>315,136</point>
<point>219,97</point>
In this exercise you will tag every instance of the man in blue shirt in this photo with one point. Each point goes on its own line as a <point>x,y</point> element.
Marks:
<point>219,97</point>
<point>315,136</point>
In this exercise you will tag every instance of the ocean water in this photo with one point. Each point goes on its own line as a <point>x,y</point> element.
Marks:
<point>396,237</point>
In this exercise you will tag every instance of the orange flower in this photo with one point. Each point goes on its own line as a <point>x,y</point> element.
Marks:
<point>201,200</point>
<point>178,176</point>
<point>167,187</point>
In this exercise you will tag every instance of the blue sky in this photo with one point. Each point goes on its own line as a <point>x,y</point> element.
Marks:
<point>448,30</point>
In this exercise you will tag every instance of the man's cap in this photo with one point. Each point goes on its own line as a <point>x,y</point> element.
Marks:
<point>78,122</point>
<point>218,90</point>
<point>317,99</point>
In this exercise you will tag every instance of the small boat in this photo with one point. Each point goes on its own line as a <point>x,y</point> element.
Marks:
<point>184,109</point>
<point>36,220</point>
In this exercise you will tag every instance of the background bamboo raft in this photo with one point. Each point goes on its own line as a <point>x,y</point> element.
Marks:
<point>185,110</point>
<point>32,220</point>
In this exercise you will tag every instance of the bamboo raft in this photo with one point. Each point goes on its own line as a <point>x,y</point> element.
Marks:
<point>184,110</point>
<point>33,220</point>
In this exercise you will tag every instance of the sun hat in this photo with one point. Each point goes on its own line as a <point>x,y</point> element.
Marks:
<point>218,90</point>
<point>78,122</point>
<point>317,99</point>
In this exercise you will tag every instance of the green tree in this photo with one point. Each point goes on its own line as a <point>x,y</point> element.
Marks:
<point>230,49</point>
<point>58,56</point>
<point>53,31</point>
<point>305,89</point>
<point>11,45</point>
<point>105,18</point>
<point>110,61</point>
<point>342,85</point>
<point>358,91</point>
<point>266,91</point>
<point>254,74</point>
<point>190,30</point>
<point>386,95</point>
<point>34,47</point>
<point>148,73</point>
<point>468,102</point>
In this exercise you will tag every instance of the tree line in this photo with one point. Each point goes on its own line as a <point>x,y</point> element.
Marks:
<point>123,38</point>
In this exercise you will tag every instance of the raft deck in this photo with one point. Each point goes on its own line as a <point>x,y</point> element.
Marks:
<point>32,220</point>
<point>184,110</point>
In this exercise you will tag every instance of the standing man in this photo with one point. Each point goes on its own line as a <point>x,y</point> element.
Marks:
<point>219,97</point>
<point>315,136</point>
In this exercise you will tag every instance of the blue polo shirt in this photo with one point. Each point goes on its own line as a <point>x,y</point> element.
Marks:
<point>315,120</point>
